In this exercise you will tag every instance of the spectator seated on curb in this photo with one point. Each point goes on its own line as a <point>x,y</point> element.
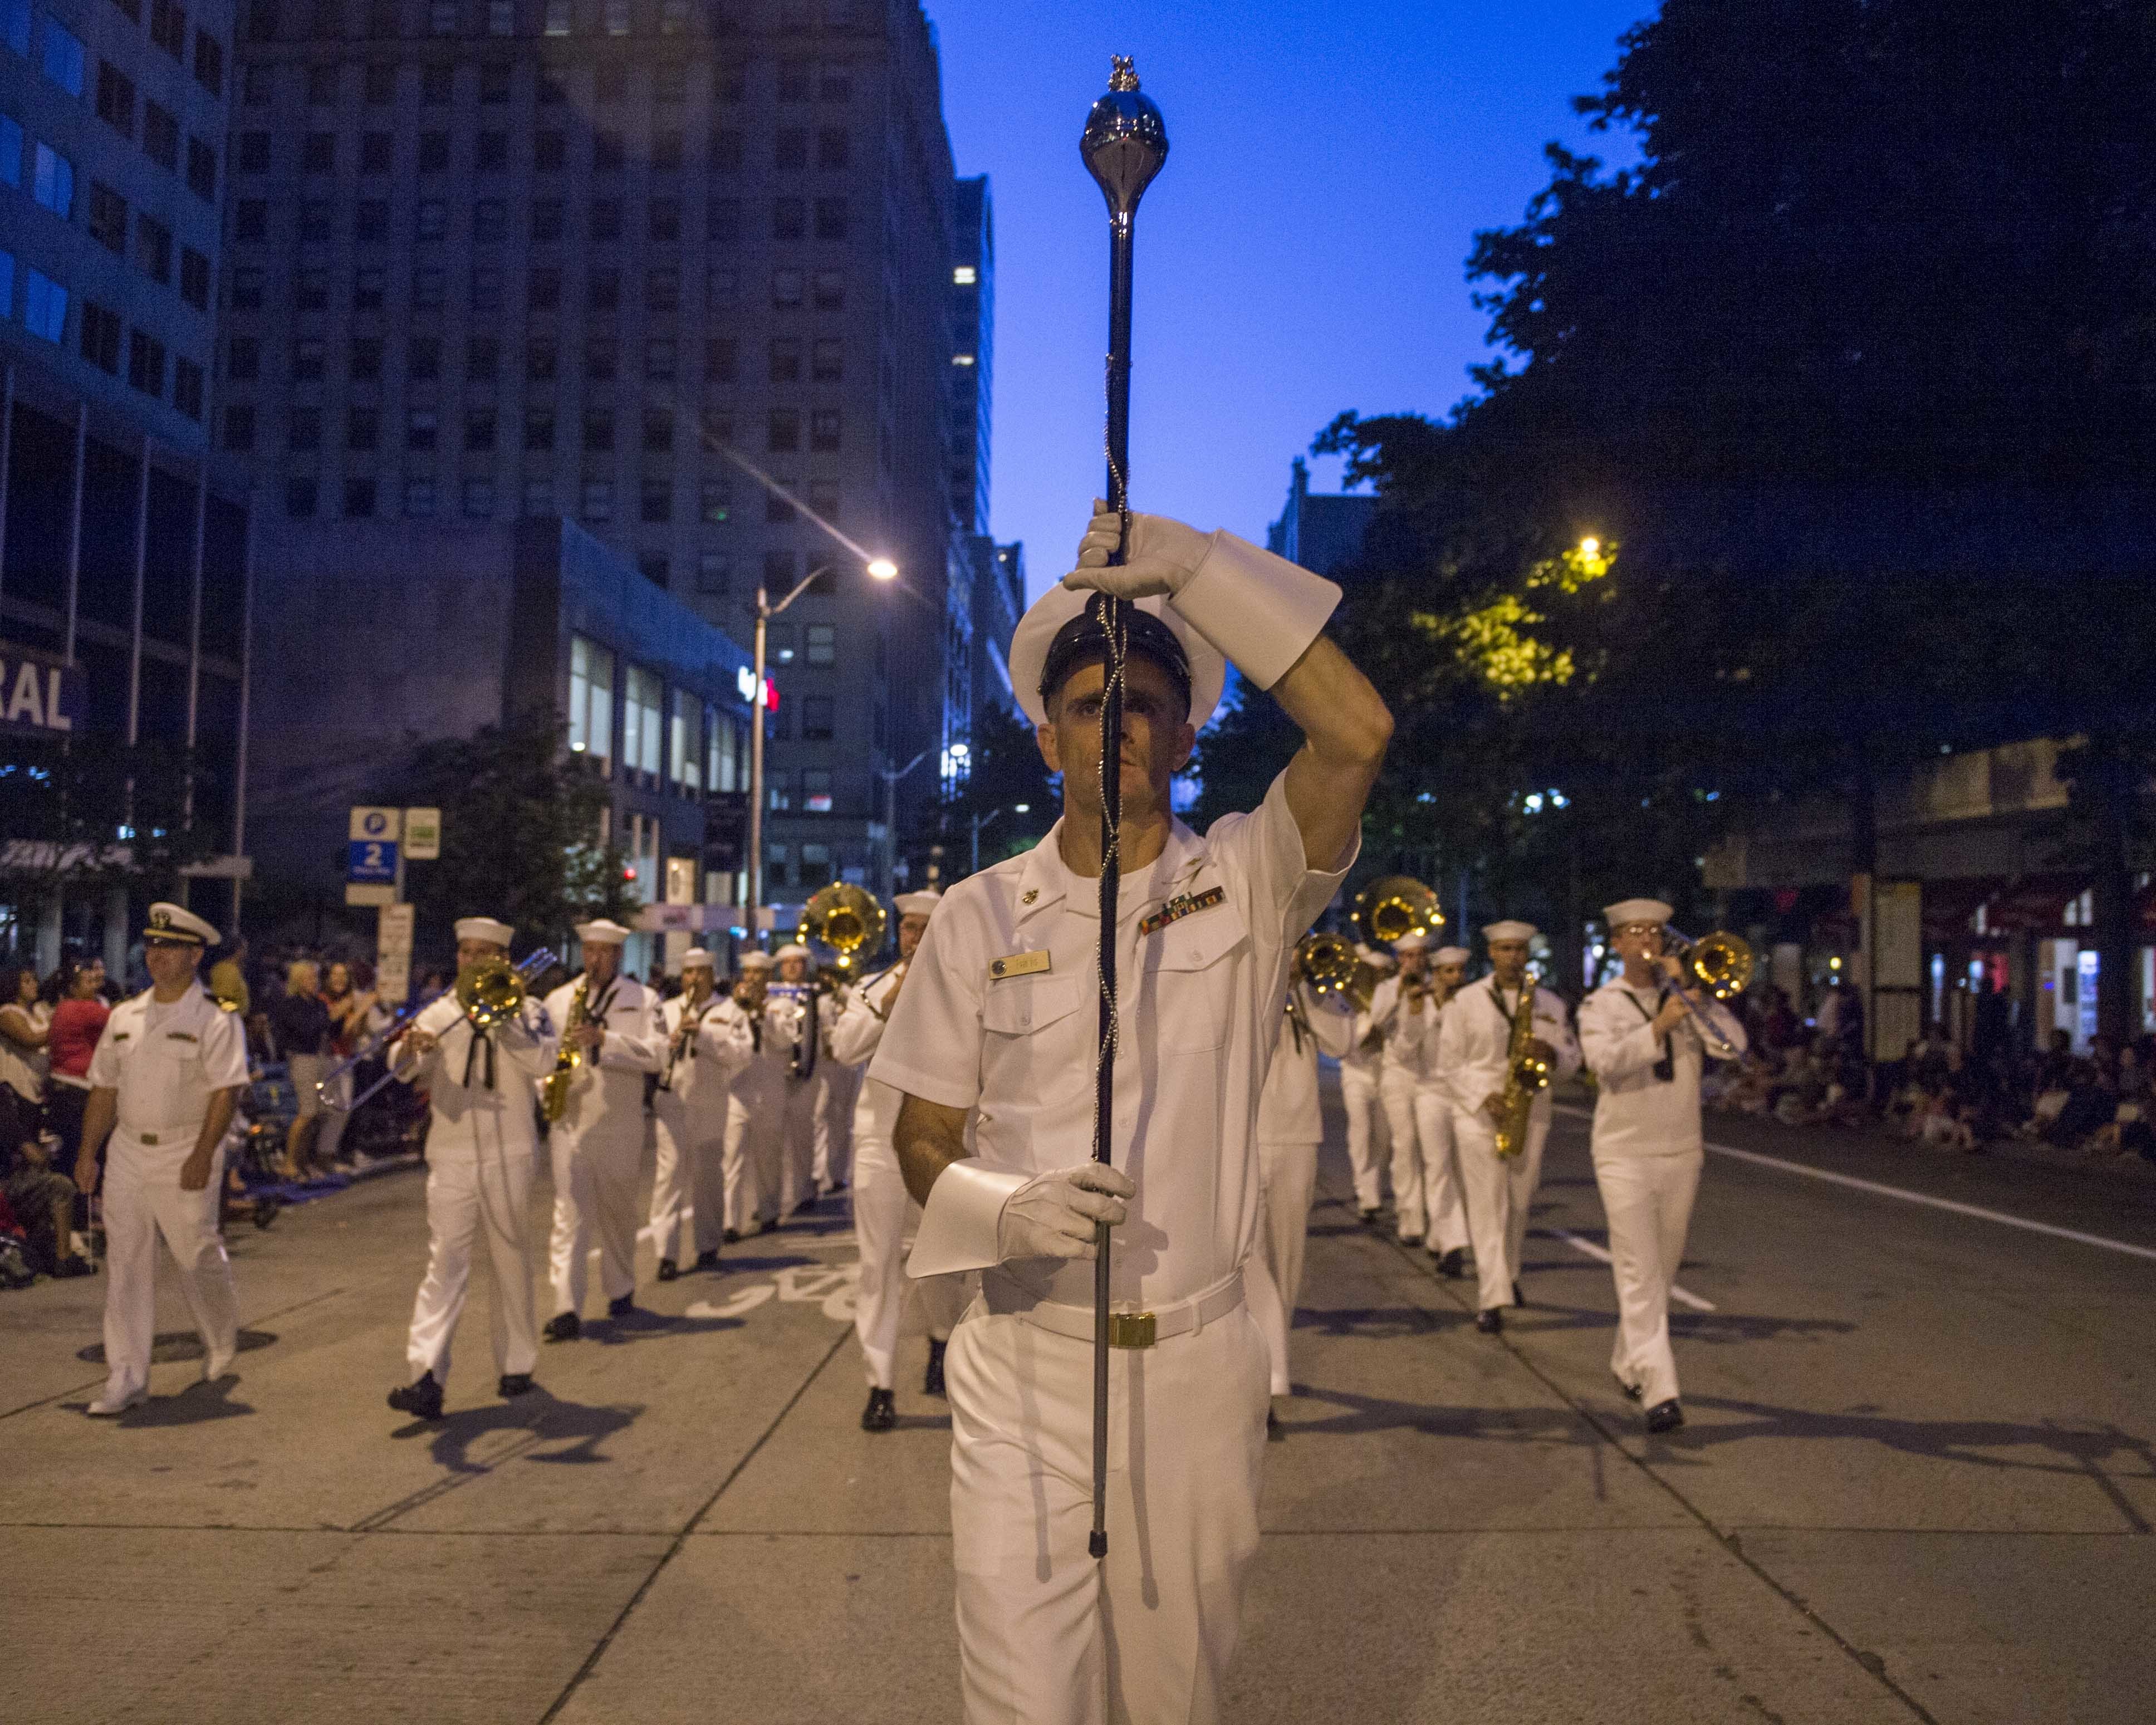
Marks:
<point>42,1202</point>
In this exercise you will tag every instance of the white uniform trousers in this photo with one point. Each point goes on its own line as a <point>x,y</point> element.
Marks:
<point>1369,1135</point>
<point>475,1196</point>
<point>1290,1171</point>
<point>1648,1200</point>
<point>834,1140</point>
<point>883,1208</point>
<point>1443,1204</point>
<point>1396,1094</point>
<point>595,1194</point>
<point>802,1124</point>
<point>141,1203</point>
<point>1498,1197</point>
<point>1047,1635</point>
<point>749,1158</point>
<point>689,1175</point>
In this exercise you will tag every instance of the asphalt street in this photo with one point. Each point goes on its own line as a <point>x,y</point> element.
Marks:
<point>1918,1482</point>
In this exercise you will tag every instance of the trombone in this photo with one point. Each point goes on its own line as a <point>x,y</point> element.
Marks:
<point>1720,965</point>
<point>1397,904</point>
<point>489,992</point>
<point>1330,964</point>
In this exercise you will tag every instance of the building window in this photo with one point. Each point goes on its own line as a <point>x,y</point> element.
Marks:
<point>539,429</point>
<point>617,17</point>
<point>794,80</point>
<point>723,751</point>
<point>379,85</point>
<point>317,153</point>
<point>441,18</point>
<point>830,218</point>
<point>423,359</point>
<point>834,82</point>
<point>777,510</point>
<point>168,27</point>
<point>667,157</point>
<point>606,218</point>
<point>657,503</point>
<point>52,181</point>
<point>254,153</point>
<point>558,18</point>
<point>653,567</point>
<point>438,85</point>
<point>725,151</point>
<point>300,496</point>
<point>723,220</point>
<point>714,574</point>
<point>188,388</point>
<point>543,289</point>
<point>101,336</point>
<point>209,63</point>
<point>721,359</point>
<point>434,218</point>
<point>362,428</point>
<point>831,147</point>
<point>598,430</point>
<point>256,85</point>
<point>479,499</point>
<point>493,83</point>
<point>815,795</point>
<point>823,430</point>
<point>160,136</point>
<point>815,861</point>
<point>202,170</point>
<point>553,88</point>
<point>545,218</point>
<point>778,576</point>
<point>482,359</point>
<point>642,719</point>
<point>786,289</point>
<point>816,719</point>
<point>247,288</point>
<point>789,218</point>
<point>479,430</point>
<point>422,428</point>
<point>785,360</point>
<point>549,151</point>
<point>606,151</point>
<point>502,17</point>
<point>674,18</point>
<point>194,277</point>
<point>539,496</point>
<point>684,750</point>
<point>831,290</point>
<point>240,429</point>
<point>490,220</point>
<point>418,497</point>
<point>542,360</point>
<point>717,499</point>
<point>493,154</point>
<point>716,426</point>
<point>658,430</point>
<point>145,363</point>
<point>360,494</point>
<point>792,148</point>
<point>658,365</point>
<point>108,218</point>
<point>115,102</point>
<point>314,221</point>
<point>664,217</point>
<point>307,358</point>
<point>605,294</point>
<point>782,431</point>
<point>376,151</point>
<point>591,699</point>
<point>366,357</point>
<point>821,644</point>
<point>598,501</point>
<point>370,288</point>
<point>312,291</point>
<point>370,222</point>
<point>721,289</point>
<point>599,359</point>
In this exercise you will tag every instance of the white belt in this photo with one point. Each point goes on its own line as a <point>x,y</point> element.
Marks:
<point>1126,1329</point>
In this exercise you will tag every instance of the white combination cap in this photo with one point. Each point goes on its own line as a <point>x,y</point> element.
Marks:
<point>175,922</point>
<point>1509,931</point>
<point>602,933</point>
<point>1636,909</point>
<point>1037,630</point>
<point>922,903</point>
<point>1450,955</point>
<point>697,958</point>
<point>491,929</point>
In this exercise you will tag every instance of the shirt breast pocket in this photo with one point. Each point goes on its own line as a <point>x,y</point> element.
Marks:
<point>1040,1043</point>
<point>1193,981</point>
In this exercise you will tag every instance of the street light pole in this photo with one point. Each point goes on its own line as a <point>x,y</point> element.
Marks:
<point>890,818</point>
<point>878,569</point>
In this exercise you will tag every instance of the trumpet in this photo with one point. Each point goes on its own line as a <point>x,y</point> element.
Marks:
<point>1330,965</point>
<point>1397,904</point>
<point>844,918</point>
<point>1721,966</point>
<point>489,992</point>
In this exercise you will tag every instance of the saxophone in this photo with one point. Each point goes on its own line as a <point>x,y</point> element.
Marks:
<point>554,1093</point>
<point>1527,1075</point>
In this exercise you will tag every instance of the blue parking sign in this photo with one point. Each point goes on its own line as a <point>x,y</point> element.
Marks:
<point>371,860</point>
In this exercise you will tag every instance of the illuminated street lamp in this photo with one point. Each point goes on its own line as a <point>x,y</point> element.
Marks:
<point>878,569</point>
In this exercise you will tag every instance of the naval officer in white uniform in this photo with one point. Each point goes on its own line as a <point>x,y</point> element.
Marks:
<point>597,1144</point>
<point>704,1047</point>
<point>1473,1035</point>
<point>1646,1053</point>
<point>482,1145</point>
<point>165,1077</point>
<point>994,1043</point>
<point>882,1210</point>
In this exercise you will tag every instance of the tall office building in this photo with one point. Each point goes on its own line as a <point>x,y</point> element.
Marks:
<point>122,543</point>
<point>527,258</point>
<point>972,333</point>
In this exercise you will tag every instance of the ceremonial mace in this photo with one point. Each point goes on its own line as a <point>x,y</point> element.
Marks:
<point>1124,144</point>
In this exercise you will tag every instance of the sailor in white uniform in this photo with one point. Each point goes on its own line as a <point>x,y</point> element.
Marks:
<point>1646,1052</point>
<point>1443,1198</point>
<point>1400,1013</point>
<point>756,1104</point>
<point>1289,1132</point>
<point>482,1147</point>
<point>597,1144</point>
<point>883,1212</point>
<point>994,1042</point>
<point>163,1083</point>
<point>1369,1137</point>
<point>1473,1035</point>
<point>704,1047</point>
<point>800,1012</point>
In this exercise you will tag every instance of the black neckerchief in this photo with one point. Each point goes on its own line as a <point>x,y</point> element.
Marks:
<point>479,1040</point>
<point>1665,1069</point>
<point>1497,1000</point>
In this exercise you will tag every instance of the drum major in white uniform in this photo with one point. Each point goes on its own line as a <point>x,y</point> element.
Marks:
<point>1646,1053</point>
<point>994,1043</point>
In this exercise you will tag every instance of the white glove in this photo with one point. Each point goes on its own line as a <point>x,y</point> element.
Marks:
<point>1052,1215</point>
<point>1164,555</point>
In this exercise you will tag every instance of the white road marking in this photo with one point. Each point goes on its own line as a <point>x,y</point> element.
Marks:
<point>1683,1297</point>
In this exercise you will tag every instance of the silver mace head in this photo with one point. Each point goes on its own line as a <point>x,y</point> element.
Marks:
<point>1124,140</point>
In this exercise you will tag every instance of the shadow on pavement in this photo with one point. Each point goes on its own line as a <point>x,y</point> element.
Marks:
<point>643,1325</point>
<point>172,1346</point>
<point>1360,1414</point>
<point>1377,1322</point>
<point>197,1404</point>
<point>541,1417</point>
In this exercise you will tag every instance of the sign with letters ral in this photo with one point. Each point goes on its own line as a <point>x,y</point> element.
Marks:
<point>39,695</point>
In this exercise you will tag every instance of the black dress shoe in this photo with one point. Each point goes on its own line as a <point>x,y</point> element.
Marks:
<point>668,1270</point>
<point>1519,1296</point>
<point>932,1382</point>
<point>1631,1390</point>
<point>836,1186</point>
<point>1367,1216</point>
<point>879,1414</point>
<point>1665,1416</point>
<point>807,1207</point>
<point>513,1384</point>
<point>1453,1264</point>
<point>1410,1239</point>
<point>1276,1433</point>
<point>732,1236</point>
<point>1490,1320</point>
<point>74,1264</point>
<point>708,1260</point>
<point>563,1326</point>
<point>423,1399</point>
<point>621,1308</point>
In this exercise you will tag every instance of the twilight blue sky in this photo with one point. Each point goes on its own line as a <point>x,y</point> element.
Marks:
<point>1301,252</point>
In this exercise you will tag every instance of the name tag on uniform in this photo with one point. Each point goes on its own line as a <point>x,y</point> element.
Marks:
<point>1019,964</point>
<point>1184,905</point>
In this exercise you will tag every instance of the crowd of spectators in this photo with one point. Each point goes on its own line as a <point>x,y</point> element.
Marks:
<point>1939,1094</point>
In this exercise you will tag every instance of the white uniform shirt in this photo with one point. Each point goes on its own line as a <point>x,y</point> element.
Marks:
<point>1636,1113</point>
<point>718,1049</point>
<point>1474,1032</point>
<point>480,1115</point>
<point>633,1046</point>
<point>1405,1044</point>
<point>1287,1107</point>
<point>855,1039</point>
<point>1204,937</point>
<point>166,1061</point>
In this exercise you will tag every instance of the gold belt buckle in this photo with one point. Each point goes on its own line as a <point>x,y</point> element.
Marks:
<point>1131,1329</point>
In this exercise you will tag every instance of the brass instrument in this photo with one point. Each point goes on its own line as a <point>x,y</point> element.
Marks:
<point>1721,964</point>
<point>1397,904</point>
<point>489,992</point>
<point>1527,1075</point>
<point>554,1088</point>
<point>1330,964</point>
<point>848,920</point>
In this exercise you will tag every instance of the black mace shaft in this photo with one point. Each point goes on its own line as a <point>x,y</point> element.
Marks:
<point>1124,144</point>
